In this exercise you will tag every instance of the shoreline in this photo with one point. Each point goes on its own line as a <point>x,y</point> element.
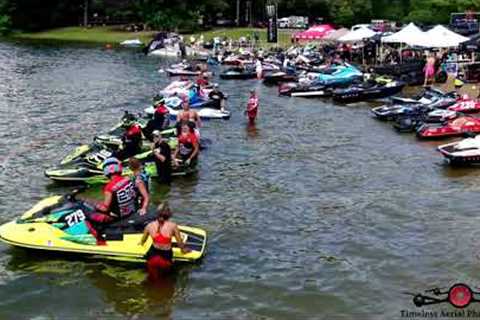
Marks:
<point>113,36</point>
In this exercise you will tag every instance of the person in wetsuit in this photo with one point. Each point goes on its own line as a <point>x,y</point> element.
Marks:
<point>160,119</point>
<point>161,230</point>
<point>132,141</point>
<point>163,158</point>
<point>188,146</point>
<point>119,195</point>
<point>217,97</point>
<point>140,180</point>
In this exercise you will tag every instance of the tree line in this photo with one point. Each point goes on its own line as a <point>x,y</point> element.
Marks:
<point>186,14</point>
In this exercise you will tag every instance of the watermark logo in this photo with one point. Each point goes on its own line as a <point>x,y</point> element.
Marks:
<point>459,295</point>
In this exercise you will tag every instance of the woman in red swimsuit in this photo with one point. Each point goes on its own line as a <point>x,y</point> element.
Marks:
<point>160,255</point>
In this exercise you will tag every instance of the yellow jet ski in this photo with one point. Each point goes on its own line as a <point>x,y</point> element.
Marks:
<point>60,223</point>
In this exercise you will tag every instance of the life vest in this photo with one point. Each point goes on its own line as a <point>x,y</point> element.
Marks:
<point>123,196</point>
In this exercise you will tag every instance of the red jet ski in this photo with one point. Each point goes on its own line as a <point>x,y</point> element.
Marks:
<point>456,127</point>
<point>466,105</point>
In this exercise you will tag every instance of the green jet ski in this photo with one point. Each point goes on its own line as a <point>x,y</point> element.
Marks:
<point>87,168</point>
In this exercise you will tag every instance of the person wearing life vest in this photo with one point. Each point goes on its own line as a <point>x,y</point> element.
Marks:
<point>188,146</point>
<point>132,141</point>
<point>119,194</point>
<point>252,107</point>
<point>140,179</point>
<point>217,97</point>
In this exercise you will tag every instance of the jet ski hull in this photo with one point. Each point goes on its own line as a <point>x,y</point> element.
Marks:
<point>37,230</point>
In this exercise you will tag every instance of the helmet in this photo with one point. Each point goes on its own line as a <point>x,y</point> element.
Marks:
<point>111,166</point>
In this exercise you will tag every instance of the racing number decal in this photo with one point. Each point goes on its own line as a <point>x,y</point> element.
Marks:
<point>75,217</point>
<point>125,198</point>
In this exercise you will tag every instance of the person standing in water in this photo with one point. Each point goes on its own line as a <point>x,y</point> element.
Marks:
<point>140,180</point>
<point>429,70</point>
<point>163,158</point>
<point>161,230</point>
<point>259,69</point>
<point>252,107</point>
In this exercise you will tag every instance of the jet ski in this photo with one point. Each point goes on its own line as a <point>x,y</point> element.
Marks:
<point>410,123</point>
<point>337,75</point>
<point>278,77</point>
<point>294,89</point>
<point>391,112</point>
<point>238,73</point>
<point>452,128</point>
<point>112,140</point>
<point>133,43</point>
<point>367,91</point>
<point>204,113</point>
<point>466,105</point>
<point>61,224</point>
<point>181,72</point>
<point>464,152</point>
<point>433,97</point>
<point>87,166</point>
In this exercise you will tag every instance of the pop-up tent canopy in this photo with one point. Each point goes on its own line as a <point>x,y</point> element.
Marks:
<point>441,37</point>
<point>410,35</point>
<point>358,35</point>
<point>314,33</point>
<point>335,35</point>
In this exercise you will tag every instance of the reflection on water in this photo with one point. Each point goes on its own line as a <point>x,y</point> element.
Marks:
<point>126,290</point>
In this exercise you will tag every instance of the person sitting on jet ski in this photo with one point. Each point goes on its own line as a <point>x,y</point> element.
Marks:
<point>160,120</point>
<point>188,146</point>
<point>202,80</point>
<point>140,179</point>
<point>161,230</point>
<point>119,194</point>
<point>217,97</point>
<point>132,141</point>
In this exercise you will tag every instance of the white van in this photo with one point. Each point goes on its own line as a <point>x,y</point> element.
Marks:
<point>283,23</point>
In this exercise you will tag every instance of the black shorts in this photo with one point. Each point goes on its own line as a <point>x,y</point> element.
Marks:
<point>165,254</point>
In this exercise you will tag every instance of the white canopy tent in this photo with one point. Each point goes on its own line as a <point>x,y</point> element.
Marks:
<point>410,35</point>
<point>441,37</point>
<point>358,35</point>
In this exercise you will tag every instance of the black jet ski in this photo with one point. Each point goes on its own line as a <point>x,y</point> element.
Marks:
<point>87,168</point>
<point>367,91</point>
<point>278,77</point>
<point>238,74</point>
<point>409,123</point>
<point>294,89</point>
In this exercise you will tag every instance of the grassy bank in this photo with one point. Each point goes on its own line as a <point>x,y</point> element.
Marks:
<point>235,33</point>
<point>100,35</point>
<point>114,35</point>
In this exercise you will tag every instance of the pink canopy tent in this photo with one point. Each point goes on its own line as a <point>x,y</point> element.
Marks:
<point>314,33</point>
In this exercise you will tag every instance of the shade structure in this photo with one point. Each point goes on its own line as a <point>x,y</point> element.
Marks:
<point>441,37</point>
<point>357,35</point>
<point>314,33</point>
<point>335,35</point>
<point>410,35</point>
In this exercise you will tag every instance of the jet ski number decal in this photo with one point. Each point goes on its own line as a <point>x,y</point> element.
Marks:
<point>75,217</point>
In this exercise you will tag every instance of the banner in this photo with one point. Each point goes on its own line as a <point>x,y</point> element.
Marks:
<point>272,31</point>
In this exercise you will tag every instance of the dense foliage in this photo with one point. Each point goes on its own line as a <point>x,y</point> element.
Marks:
<point>186,14</point>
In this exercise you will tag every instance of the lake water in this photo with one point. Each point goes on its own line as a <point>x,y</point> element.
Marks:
<point>318,212</point>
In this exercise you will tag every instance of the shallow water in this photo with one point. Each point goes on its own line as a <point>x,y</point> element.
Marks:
<point>318,212</point>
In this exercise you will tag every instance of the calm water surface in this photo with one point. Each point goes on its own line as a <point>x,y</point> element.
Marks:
<point>319,212</point>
